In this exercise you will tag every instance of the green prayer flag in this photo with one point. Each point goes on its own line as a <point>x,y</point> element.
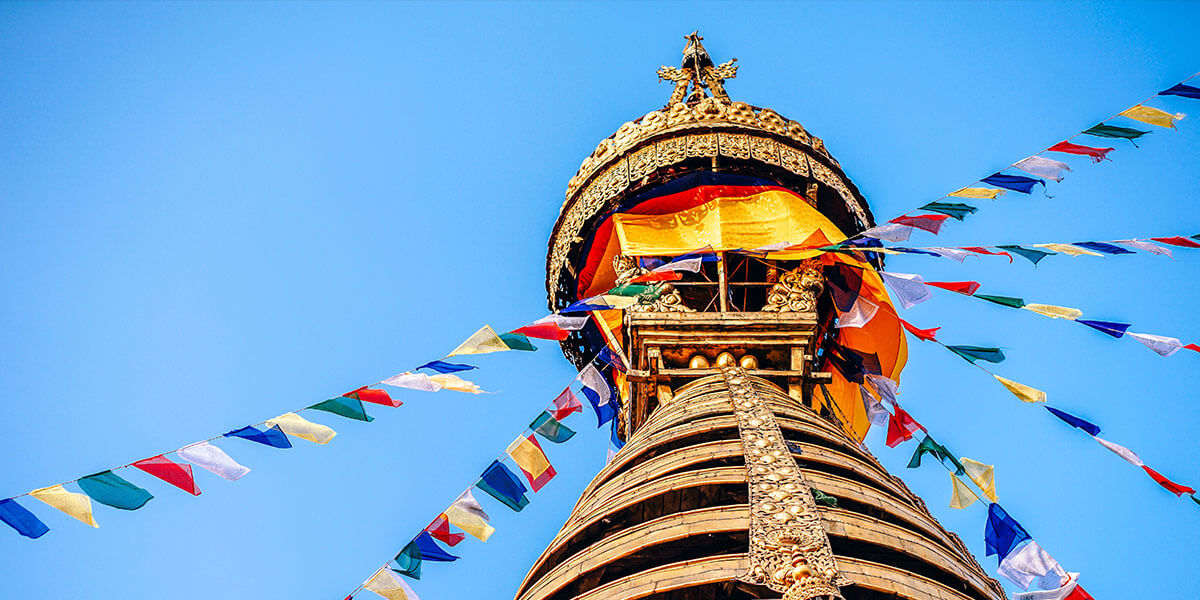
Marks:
<point>408,562</point>
<point>952,209</point>
<point>351,408</point>
<point>1029,253</point>
<point>1003,300</point>
<point>1194,499</point>
<point>550,428</point>
<point>632,290</point>
<point>109,488</point>
<point>823,499</point>
<point>517,341</point>
<point>939,451</point>
<point>1112,131</point>
<point>974,353</point>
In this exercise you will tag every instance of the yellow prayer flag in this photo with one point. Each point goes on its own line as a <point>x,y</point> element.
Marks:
<point>529,457</point>
<point>294,424</point>
<point>450,381</point>
<point>983,476</point>
<point>389,586</point>
<point>1055,312</point>
<point>470,523</point>
<point>481,342</point>
<point>978,193</point>
<point>961,496</point>
<point>74,504</point>
<point>1022,391</point>
<point>1067,249</point>
<point>1153,116</point>
<point>618,301</point>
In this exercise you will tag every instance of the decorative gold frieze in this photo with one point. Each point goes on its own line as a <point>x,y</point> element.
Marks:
<point>797,290</point>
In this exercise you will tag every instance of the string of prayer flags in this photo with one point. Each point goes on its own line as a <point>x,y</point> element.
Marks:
<point>351,408</point>
<point>445,367</point>
<point>1069,249</point>
<point>931,223</point>
<point>214,459</point>
<point>176,474</point>
<point>1029,254</point>
<point>977,193</point>
<point>983,475</point>
<point>374,397</point>
<point>1185,91</point>
<point>76,505</point>
<point>466,514</point>
<point>1116,330</point>
<point>502,484</point>
<point>294,424</point>
<point>1016,183</point>
<point>1054,312</point>
<point>928,335</point>
<point>553,327</point>
<point>20,519</point>
<point>901,427</point>
<point>550,428</point>
<point>1096,154</point>
<point>387,585</point>
<point>951,209</point>
<point>910,289</point>
<point>111,489</point>
<point>272,436</point>
<point>966,288</point>
<point>1002,533</point>
<point>1152,116</point>
<point>1031,564</point>
<point>1091,428</point>
<point>1112,131</point>
<point>529,456</point>
<point>1023,392</point>
<point>440,530</point>
<point>974,353</point>
<point>1043,167</point>
<point>598,393</point>
<point>565,404</point>
<point>961,495</point>
<point>929,446</point>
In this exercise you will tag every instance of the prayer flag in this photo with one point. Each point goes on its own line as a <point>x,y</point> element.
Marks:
<point>1163,345</point>
<point>1022,391</point>
<point>967,288</point>
<point>294,424</point>
<point>1054,312</point>
<point>111,489</point>
<point>903,250</point>
<point>928,446</point>
<point>1096,154</point>
<point>1114,329</point>
<point>517,341</point>
<point>445,367</point>
<point>983,475</point>
<point>1002,300</point>
<point>951,253</point>
<point>565,404</point>
<point>876,413</point>
<point>1043,167</point>
<point>1068,249</point>
<point>528,454</point>
<point>1030,564</point>
<point>408,561</point>
<point>1177,241</point>
<point>961,495</point>
<point>553,327</point>
<point>440,530</point>
<point>389,586</point>
<point>654,276</point>
<point>20,519</point>
<point>1028,253</point>
<point>273,436</point>
<point>351,408</point>
<point>454,383</point>
<point>1016,183</point>
<point>413,381</point>
<point>910,289</point>
<point>1079,594</point>
<point>502,484</point>
<point>1112,131</point>
<point>76,505</point>
<point>1148,247</point>
<point>1092,429</point>
<point>1129,455</point>
<point>176,474</point>
<point>982,250</point>
<point>1002,533</point>
<point>587,305</point>
<point>614,441</point>
<point>1179,89</point>
<point>214,459</point>
<point>481,342</point>
<point>1152,116</point>
<point>928,335</point>
<point>548,427</point>
<point>466,514</point>
<point>1171,486</point>
<point>901,427</point>
<point>950,209</point>
<point>1066,591</point>
<point>974,353</point>
<point>1103,247</point>
<point>633,290</point>
<point>977,193</point>
<point>891,233</point>
<point>931,223</point>
<point>885,387</point>
<point>430,550</point>
<point>859,314</point>
<point>374,397</point>
<point>599,394</point>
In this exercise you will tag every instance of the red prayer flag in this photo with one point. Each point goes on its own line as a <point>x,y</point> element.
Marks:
<point>1096,154</point>
<point>542,479</point>
<point>929,335</point>
<point>901,427</point>
<point>930,223</point>
<point>374,397</point>
<point>565,404</point>
<point>657,276</point>
<point>544,331</point>
<point>967,288</point>
<point>440,529</point>
<point>982,250</point>
<point>1174,488</point>
<point>1079,594</point>
<point>176,474</point>
<point>1178,241</point>
<point>1193,347</point>
<point>816,239</point>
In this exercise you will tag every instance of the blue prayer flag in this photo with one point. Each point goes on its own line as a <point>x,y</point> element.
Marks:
<point>1186,91</point>
<point>430,550</point>
<point>583,306</point>
<point>614,439</point>
<point>1102,247</point>
<point>273,436</point>
<point>607,355</point>
<point>1074,421</point>
<point>604,412</point>
<point>1114,329</point>
<point>1016,183</point>
<point>1029,253</point>
<point>1002,532</point>
<point>111,489</point>
<point>19,518</point>
<point>445,367</point>
<point>500,483</point>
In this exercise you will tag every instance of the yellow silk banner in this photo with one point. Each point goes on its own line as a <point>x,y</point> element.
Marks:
<point>76,505</point>
<point>1055,312</point>
<point>977,193</point>
<point>1153,116</point>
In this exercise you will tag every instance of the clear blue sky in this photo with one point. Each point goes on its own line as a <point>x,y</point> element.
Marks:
<point>214,213</point>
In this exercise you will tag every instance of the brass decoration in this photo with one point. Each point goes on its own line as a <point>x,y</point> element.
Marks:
<point>789,549</point>
<point>668,299</point>
<point>797,290</point>
<point>698,71</point>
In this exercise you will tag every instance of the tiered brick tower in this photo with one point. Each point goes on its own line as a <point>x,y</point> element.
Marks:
<point>728,423</point>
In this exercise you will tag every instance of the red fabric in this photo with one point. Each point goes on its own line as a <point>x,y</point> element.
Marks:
<point>929,335</point>
<point>981,250</point>
<point>540,480</point>
<point>374,397</point>
<point>1096,154</point>
<point>930,223</point>
<point>660,276</point>
<point>544,331</point>
<point>1178,241</point>
<point>815,239</point>
<point>176,474</point>
<point>1079,594</point>
<point>901,427</point>
<point>1193,347</point>
<point>963,287</point>
<point>1174,488</point>
<point>565,404</point>
<point>440,529</point>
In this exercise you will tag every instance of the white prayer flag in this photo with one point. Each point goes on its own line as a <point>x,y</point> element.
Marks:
<point>952,253</point>
<point>592,378</point>
<point>1148,247</point>
<point>1121,451</point>
<point>860,314</point>
<point>894,232</point>
<point>214,459</point>
<point>885,387</point>
<point>1044,167</point>
<point>876,413</point>
<point>413,381</point>
<point>1163,345</point>
<point>1030,564</point>
<point>910,289</point>
<point>1060,593</point>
